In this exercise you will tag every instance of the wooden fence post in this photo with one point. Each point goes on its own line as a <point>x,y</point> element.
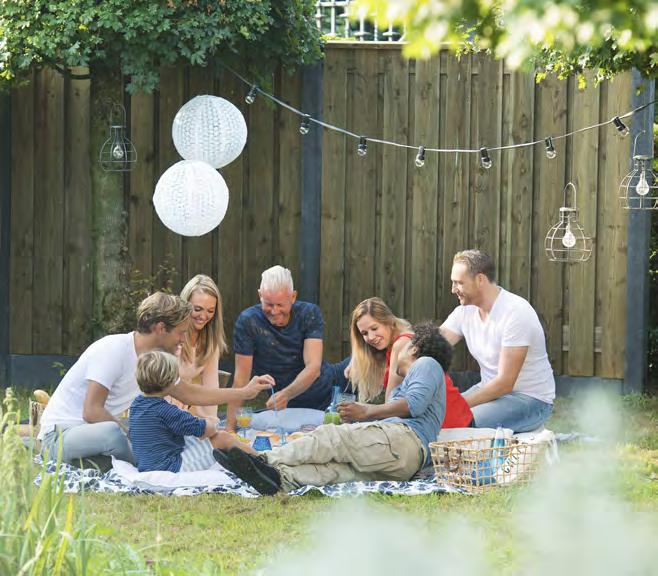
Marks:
<point>639,237</point>
<point>309,233</point>
<point>108,210</point>
<point>5,219</point>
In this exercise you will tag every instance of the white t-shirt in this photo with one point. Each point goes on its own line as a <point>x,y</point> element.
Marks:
<point>512,321</point>
<point>110,361</point>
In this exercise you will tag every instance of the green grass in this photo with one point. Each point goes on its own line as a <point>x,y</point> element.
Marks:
<point>222,534</point>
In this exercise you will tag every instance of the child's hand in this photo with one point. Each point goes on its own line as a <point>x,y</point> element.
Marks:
<point>212,420</point>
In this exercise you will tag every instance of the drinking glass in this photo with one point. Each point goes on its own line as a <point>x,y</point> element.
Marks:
<point>244,417</point>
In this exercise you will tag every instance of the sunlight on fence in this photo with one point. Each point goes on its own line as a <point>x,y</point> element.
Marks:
<point>332,20</point>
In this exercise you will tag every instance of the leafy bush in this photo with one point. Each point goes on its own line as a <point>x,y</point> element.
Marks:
<point>140,36</point>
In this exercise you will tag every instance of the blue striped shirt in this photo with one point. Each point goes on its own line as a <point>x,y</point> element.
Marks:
<point>157,431</point>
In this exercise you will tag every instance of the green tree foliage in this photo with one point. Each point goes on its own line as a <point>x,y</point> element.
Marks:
<point>561,36</point>
<point>139,36</point>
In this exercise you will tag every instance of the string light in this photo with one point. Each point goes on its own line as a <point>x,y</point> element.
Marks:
<point>485,159</point>
<point>251,97</point>
<point>362,149</point>
<point>305,125</point>
<point>486,162</point>
<point>420,157</point>
<point>621,127</point>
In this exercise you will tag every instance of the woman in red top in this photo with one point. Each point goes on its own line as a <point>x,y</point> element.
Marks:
<point>377,336</point>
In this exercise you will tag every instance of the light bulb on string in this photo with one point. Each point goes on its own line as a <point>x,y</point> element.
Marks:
<point>420,157</point>
<point>621,127</point>
<point>305,124</point>
<point>485,159</point>
<point>568,240</point>
<point>550,148</point>
<point>251,97</point>
<point>362,149</point>
<point>642,187</point>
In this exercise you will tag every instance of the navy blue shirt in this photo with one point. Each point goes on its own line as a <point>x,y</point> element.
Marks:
<point>157,431</point>
<point>279,350</point>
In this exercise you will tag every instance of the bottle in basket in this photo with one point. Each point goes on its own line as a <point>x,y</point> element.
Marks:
<point>485,471</point>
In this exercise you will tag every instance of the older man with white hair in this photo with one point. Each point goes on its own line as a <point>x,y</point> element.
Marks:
<point>282,337</point>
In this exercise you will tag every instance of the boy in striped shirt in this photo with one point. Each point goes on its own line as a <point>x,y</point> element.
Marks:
<point>163,436</point>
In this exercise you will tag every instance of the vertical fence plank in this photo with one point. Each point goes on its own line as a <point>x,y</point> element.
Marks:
<point>78,272</point>
<point>167,245</point>
<point>259,235</point>
<point>197,252</point>
<point>549,175</point>
<point>228,239</point>
<point>612,232</point>
<point>392,263</point>
<point>486,131</point>
<point>288,187</point>
<point>142,183</point>
<point>361,184</point>
<point>517,183</point>
<point>48,218</point>
<point>582,277</point>
<point>334,151</point>
<point>424,183</point>
<point>23,135</point>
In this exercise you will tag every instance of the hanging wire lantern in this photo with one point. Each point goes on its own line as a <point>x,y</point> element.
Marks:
<point>639,188</point>
<point>566,240</point>
<point>117,153</point>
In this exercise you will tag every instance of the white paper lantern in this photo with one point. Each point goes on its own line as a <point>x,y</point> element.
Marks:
<point>191,198</point>
<point>210,129</point>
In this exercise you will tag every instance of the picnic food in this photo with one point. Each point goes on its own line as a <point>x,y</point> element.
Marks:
<point>41,396</point>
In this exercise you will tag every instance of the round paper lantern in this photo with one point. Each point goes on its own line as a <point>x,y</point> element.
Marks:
<point>210,129</point>
<point>191,198</point>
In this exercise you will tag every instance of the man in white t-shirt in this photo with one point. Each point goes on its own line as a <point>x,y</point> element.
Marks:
<point>86,408</point>
<point>504,335</point>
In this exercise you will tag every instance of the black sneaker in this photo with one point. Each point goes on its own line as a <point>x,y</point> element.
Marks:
<point>221,458</point>
<point>254,471</point>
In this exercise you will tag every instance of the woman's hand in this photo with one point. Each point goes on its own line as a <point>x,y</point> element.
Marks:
<point>354,411</point>
<point>256,385</point>
<point>347,371</point>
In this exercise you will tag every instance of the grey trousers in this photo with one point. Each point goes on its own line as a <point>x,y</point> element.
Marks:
<point>361,451</point>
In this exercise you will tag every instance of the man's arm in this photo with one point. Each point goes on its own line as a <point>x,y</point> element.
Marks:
<point>310,373</point>
<point>200,396</point>
<point>360,412</point>
<point>509,365</point>
<point>394,379</point>
<point>93,409</point>
<point>449,335</point>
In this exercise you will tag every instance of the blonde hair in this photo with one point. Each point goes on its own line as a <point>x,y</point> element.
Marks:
<point>276,278</point>
<point>368,364</point>
<point>212,336</point>
<point>161,307</point>
<point>156,371</point>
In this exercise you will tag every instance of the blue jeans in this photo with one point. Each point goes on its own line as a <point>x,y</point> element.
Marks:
<point>88,440</point>
<point>318,396</point>
<point>520,412</point>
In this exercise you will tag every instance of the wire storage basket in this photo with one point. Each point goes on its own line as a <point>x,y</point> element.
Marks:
<point>474,466</point>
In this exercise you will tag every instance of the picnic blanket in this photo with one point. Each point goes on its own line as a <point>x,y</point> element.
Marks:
<point>124,478</point>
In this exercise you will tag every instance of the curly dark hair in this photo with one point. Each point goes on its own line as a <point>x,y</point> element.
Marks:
<point>428,341</point>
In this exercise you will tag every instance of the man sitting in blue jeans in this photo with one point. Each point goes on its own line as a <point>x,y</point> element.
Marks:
<point>504,335</point>
<point>382,442</point>
<point>282,337</point>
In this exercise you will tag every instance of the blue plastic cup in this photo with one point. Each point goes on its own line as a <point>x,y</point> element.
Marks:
<point>262,443</point>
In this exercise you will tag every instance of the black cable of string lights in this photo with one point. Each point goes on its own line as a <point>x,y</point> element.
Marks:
<point>485,159</point>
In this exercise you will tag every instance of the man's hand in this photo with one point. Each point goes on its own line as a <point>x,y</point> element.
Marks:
<point>278,401</point>
<point>354,411</point>
<point>256,385</point>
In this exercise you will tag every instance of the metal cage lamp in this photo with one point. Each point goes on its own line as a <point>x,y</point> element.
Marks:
<point>117,153</point>
<point>639,188</point>
<point>566,240</point>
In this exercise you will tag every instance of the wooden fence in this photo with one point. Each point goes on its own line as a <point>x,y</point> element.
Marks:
<point>387,228</point>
